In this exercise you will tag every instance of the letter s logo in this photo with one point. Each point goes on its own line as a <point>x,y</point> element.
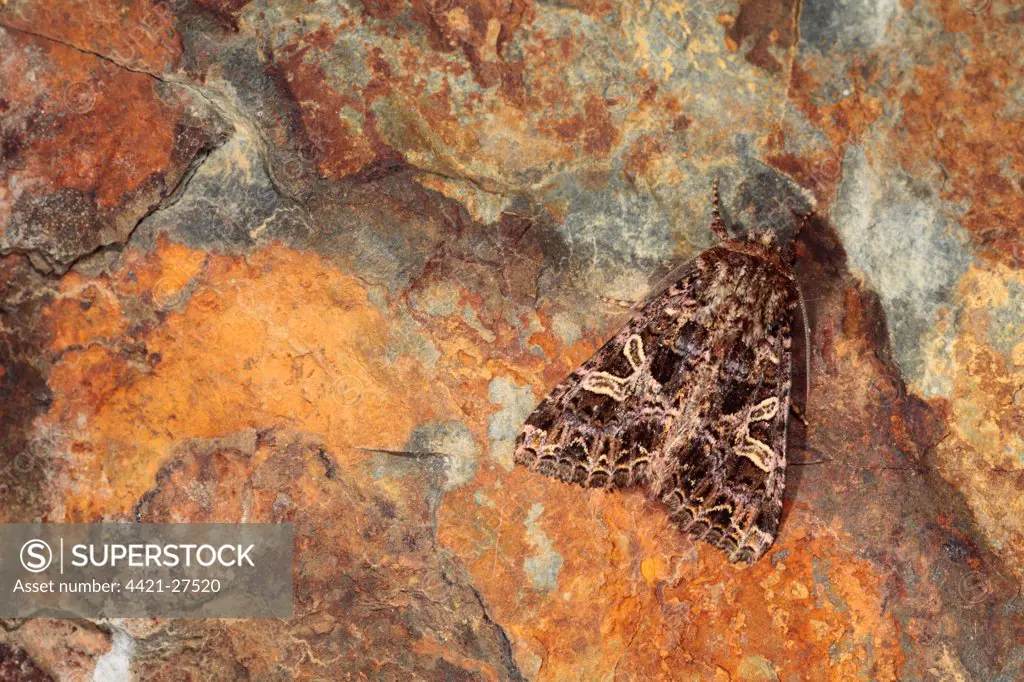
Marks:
<point>36,556</point>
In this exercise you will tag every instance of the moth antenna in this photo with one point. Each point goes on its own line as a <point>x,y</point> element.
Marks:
<point>717,225</point>
<point>406,453</point>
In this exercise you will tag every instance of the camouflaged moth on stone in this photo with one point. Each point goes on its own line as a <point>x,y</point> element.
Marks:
<point>689,401</point>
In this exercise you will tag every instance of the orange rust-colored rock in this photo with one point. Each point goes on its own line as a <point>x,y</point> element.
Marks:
<point>281,361</point>
<point>88,147</point>
<point>655,605</point>
<point>139,35</point>
<point>83,151</point>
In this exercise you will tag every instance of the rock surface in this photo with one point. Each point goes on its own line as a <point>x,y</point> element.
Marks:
<point>243,240</point>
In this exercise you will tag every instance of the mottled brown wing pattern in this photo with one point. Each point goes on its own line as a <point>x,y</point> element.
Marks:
<point>690,400</point>
<point>599,426</point>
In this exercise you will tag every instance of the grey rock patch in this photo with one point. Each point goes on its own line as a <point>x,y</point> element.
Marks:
<point>909,251</point>
<point>452,440</point>
<point>517,402</point>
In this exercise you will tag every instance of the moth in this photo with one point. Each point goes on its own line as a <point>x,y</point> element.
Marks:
<point>689,401</point>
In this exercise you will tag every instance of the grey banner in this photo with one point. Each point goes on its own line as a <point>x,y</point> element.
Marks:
<point>135,570</point>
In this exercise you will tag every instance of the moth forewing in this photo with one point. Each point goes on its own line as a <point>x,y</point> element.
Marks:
<point>689,400</point>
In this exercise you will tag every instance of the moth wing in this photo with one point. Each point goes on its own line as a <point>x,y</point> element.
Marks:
<point>689,399</point>
<point>600,426</point>
<point>722,468</point>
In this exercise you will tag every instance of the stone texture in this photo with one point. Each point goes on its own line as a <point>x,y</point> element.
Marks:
<point>243,240</point>
<point>89,147</point>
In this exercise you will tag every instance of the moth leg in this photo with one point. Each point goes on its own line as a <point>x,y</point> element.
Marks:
<point>717,225</point>
<point>798,413</point>
<point>805,220</point>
